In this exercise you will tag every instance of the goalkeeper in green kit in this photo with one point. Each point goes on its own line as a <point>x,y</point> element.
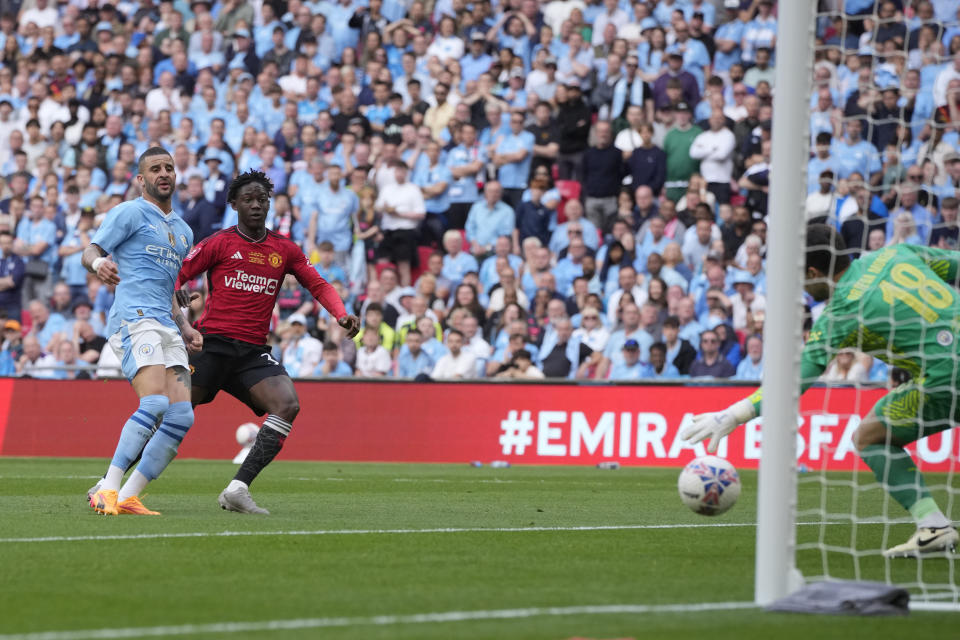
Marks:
<point>899,304</point>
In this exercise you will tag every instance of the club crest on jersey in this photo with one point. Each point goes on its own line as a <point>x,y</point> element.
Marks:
<point>275,259</point>
<point>183,239</point>
<point>256,257</point>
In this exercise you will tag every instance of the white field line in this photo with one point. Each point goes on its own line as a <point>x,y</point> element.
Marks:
<point>381,621</point>
<point>354,532</point>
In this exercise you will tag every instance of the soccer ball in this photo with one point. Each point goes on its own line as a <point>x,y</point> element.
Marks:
<point>709,485</point>
<point>247,434</point>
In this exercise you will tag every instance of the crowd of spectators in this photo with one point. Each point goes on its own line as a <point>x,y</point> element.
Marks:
<point>514,189</point>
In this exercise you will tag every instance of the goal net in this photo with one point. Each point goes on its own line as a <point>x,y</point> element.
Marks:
<point>881,144</point>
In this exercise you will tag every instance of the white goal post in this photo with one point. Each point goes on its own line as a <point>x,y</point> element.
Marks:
<point>775,570</point>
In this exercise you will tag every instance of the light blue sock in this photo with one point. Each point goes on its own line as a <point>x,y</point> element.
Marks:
<point>162,447</point>
<point>138,428</point>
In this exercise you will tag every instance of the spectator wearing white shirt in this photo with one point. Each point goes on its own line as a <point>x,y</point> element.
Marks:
<point>166,97</point>
<point>458,363</point>
<point>34,363</point>
<point>822,204</point>
<point>745,301</point>
<point>373,360</point>
<point>714,148</point>
<point>402,207</point>
<point>43,15</point>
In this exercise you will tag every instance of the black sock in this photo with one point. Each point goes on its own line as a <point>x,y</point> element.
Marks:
<point>264,450</point>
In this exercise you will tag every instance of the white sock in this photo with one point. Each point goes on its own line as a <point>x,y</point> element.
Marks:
<point>111,481</point>
<point>136,483</point>
<point>236,485</point>
<point>934,520</point>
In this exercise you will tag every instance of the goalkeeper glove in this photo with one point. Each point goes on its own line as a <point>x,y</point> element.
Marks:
<point>717,425</point>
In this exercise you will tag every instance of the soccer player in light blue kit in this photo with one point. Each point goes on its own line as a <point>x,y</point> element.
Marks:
<point>146,243</point>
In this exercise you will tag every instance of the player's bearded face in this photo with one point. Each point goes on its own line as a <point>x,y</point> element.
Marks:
<point>159,178</point>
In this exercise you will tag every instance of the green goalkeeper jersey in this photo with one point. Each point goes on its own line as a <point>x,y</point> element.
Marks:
<point>898,304</point>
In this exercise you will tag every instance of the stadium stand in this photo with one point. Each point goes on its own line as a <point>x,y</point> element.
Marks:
<point>604,167</point>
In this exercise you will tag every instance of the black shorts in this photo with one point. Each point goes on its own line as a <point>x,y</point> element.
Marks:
<point>233,366</point>
<point>400,245</point>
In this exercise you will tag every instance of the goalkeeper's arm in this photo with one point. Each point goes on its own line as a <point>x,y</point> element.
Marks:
<point>719,424</point>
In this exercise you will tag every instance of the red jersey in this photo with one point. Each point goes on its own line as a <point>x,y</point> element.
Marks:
<point>244,281</point>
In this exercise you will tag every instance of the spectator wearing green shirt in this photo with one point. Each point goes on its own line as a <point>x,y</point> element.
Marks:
<point>677,143</point>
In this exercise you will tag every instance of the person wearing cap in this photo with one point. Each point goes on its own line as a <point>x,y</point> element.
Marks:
<point>573,123</point>
<point>216,183</point>
<point>629,366</point>
<point>745,301</point>
<point>11,349</point>
<point>11,277</point>
<point>690,89</point>
<point>676,145</point>
<point>300,351</point>
<point>241,53</point>
<point>477,61</point>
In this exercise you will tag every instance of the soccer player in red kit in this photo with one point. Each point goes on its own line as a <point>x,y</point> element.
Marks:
<point>245,267</point>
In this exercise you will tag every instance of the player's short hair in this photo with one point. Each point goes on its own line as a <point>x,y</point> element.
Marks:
<point>410,332</point>
<point>826,250</point>
<point>330,346</point>
<point>149,153</point>
<point>326,245</point>
<point>249,177</point>
<point>659,346</point>
<point>374,306</point>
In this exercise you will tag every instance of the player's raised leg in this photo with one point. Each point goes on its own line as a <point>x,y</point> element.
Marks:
<point>162,447</point>
<point>277,396</point>
<point>880,440</point>
<point>149,384</point>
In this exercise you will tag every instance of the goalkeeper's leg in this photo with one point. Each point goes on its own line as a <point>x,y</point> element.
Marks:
<point>880,440</point>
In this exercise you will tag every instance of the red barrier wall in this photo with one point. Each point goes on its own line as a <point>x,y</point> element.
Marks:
<point>406,422</point>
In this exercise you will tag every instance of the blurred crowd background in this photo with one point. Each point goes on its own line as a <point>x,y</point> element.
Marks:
<point>515,189</point>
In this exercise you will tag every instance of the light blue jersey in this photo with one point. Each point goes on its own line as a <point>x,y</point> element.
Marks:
<point>148,248</point>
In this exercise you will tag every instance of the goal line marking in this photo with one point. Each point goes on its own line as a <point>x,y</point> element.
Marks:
<point>382,620</point>
<point>354,532</point>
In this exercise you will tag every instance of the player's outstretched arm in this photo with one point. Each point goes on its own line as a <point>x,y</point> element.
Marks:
<point>95,261</point>
<point>719,424</point>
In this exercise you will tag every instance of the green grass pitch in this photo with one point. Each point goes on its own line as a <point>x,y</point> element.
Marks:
<point>362,565</point>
